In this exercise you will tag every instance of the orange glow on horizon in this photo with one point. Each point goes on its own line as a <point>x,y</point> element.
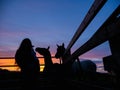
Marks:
<point>5,64</point>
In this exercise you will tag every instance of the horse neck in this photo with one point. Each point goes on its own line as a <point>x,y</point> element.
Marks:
<point>48,59</point>
<point>68,54</point>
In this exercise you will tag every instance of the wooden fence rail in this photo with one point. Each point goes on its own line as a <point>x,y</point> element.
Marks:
<point>109,29</point>
<point>95,8</point>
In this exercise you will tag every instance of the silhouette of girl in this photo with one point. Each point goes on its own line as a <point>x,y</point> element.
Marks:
<point>26,59</point>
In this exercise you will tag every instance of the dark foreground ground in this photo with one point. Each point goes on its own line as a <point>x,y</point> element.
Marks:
<point>89,81</point>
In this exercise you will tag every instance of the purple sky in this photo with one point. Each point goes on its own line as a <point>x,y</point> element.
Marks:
<point>50,22</point>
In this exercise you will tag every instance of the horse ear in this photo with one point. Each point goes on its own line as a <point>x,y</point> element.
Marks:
<point>57,45</point>
<point>48,47</point>
<point>63,44</point>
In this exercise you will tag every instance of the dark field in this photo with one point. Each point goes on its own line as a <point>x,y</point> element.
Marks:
<point>88,81</point>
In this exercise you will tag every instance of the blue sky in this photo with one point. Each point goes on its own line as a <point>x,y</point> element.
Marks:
<point>50,22</point>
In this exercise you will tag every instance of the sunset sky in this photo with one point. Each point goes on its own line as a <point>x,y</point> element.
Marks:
<point>50,22</point>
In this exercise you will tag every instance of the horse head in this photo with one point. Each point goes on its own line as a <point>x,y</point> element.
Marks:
<point>60,51</point>
<point>43,51</point>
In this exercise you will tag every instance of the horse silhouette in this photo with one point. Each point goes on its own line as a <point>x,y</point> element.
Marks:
<point>47,58</point>
<point>59,70</point>
<point>86,65</point>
